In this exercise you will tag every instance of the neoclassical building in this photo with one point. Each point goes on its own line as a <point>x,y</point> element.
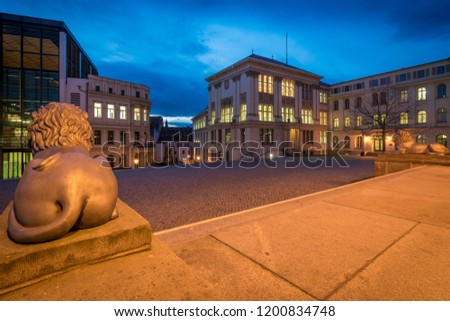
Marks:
<point>269,103</point>
<point>263,106</point>
<point>412,99</point>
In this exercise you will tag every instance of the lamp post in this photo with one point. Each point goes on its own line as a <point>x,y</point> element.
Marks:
<point>136,162</point>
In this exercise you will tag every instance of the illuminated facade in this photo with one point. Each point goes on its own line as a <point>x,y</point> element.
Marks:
<point>258,104</point>
<point>417,97</point>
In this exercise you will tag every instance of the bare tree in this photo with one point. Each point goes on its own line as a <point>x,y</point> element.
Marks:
<point>382,110</point>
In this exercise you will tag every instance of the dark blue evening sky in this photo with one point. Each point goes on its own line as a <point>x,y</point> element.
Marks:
<point>171,46</point>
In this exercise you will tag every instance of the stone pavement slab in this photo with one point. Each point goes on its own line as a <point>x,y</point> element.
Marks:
<point>235,276</point>
<point>316,247</point>
<point>415,268</point>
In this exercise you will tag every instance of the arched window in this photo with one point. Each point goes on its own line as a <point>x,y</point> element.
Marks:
<point>336,122</point>
<point>358,102</point>
<point>421,139</point>
<point>422,117</point>
<point>347,122</point>
<point>403,118</point>
<point>383,99</point>
<point>347,104</point>
<point>422,93</point>
<point>441,139</point>
<point>335,141</point>
<point>442,115</point>
<point>374,99</point>
<point>347,142</point>
<point>336,105</point>
<point>359,121</point>
<point>442,91</point>
<point>359,142</point>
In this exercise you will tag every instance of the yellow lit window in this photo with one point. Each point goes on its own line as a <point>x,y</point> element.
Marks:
<point>422,117</point>
<point>287,114</point>
<point>265,112</point>
<point>213,117</point>
<point>336,122</point>
<point>110,111</point>
<point>359,121</point>
<point>422,93</point>
<point>226,114</point>
<point>98,110</point>
<point>403,118</point>
<point>323,137</point>
<point>347,122</point>
<point>265,84</point>
<point>307,116</point>
<point>323,98</point>
<point>123,112</point>
<point>137,114</point>
<point>287,87</point>
<point>144,112</point>
<point>243,114</point>
<point>404,96</point>
<point>323,118</point>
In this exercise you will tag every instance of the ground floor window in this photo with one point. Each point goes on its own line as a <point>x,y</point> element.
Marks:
<point>421,139</point>
<point>378,143</point>
<point>441,139</point>
<point>347,142</point>
<point>308,136</point>
<point>335,141</point>
<point>359,142</point>
<point>266,135</point>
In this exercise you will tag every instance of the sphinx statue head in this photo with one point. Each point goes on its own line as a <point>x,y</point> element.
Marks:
<point>62,188</point>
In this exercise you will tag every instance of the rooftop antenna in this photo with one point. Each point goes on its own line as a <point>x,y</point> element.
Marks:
<point>252,51</point>
<point>286,49</point>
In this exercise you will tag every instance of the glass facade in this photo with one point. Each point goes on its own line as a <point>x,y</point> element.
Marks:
<point>30,74</point>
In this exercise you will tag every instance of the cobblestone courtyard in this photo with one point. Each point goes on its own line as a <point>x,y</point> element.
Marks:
<point>171,196</point>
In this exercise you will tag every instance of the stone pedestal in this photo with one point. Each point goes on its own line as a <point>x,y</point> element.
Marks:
<point>23,264</point>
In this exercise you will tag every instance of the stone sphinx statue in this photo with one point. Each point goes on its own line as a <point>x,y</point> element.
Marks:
<point>62,188</point>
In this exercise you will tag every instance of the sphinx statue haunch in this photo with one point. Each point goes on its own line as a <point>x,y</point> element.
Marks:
<point>62,188</point>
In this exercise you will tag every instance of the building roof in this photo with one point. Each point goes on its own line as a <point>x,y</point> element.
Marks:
<point>32,21</point>
<point>254,57</point>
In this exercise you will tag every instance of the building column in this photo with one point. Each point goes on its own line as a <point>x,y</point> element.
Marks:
<point>298,101</point>
<point>252,96</point>
<point>218,106</point>
<point>236,95</point>
<point>277,99</point>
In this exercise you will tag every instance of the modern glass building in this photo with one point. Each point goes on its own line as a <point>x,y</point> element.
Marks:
<point>38,55</point>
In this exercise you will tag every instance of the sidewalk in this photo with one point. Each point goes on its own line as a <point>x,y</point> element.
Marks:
<point>386,238</point>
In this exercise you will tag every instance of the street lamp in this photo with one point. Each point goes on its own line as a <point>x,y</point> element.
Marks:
<point>136,161</point>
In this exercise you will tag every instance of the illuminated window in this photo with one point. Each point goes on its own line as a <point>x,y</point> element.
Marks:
<point>287,114</point>
<point>287,87</point>
<point>422,117</point>
<point>265,84</point>
<point>441,139</point>
<point>213,116</point>
<point>243,114</point>
<point>265,112</point>
<point>98,110</point>
<point>442,91</point>
<point>442,115</point>
<point>359,121</point>
<point>137,114</point>
<point>144,112</point>
<point>323,137</point>
<point>403,118</point>
<point>226,114</point>
<point>110,111</point>
<point>359,142</point>
<point>375,120</point>
<point>307,116</point>
<point>421,139</point>
<point>123,112</point>
<point>347,122</point>
<point>323,98</point>
<point>404,96</point>
<point>323,118</point>
<point>336,123</point>
<point>422,93</point>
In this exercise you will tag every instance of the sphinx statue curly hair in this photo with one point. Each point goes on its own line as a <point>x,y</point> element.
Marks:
<point>59,124</point>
